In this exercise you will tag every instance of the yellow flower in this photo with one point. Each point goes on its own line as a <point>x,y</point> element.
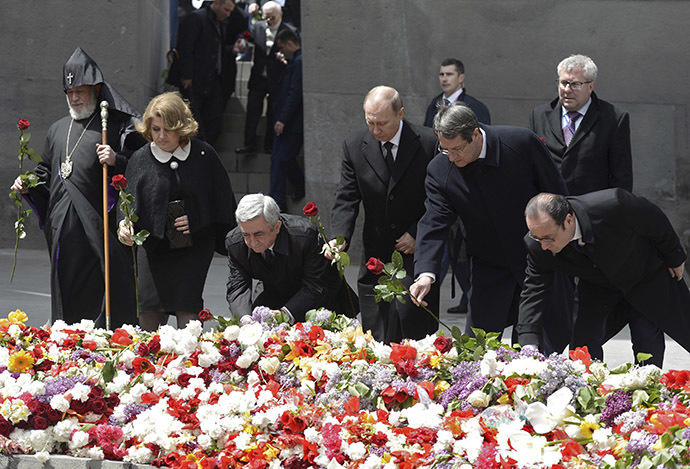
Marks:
<point>441,386</point>
<point>504,399</point>
<point>659,445</point>
<point>271,452</point>
<point>435,361</point>
<point>17,317</point>
<point>4,324</point>
<point>20,362</point>
<point>587,427</point>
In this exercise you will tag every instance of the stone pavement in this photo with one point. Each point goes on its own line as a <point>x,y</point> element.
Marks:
<point>30,292</point>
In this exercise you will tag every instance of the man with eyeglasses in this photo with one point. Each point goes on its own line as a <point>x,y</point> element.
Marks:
<point>588,138</point>
<point>485,176</point>
<point>623,249</point>
<point>264,77</point>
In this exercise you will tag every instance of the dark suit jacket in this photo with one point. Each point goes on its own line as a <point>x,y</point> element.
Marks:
<point>489,196</point>
<point>627,238</point>
<point>287,107</point>
<point>299,277</point>
<point>599,156</point>
<point>479,109</point>
<point>266,69</point>
<point>391,206</point>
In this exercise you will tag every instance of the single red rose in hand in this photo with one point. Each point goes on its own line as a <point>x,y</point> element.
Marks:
<point>205,315</point>
<point>375,266</point>
<point>311,210</point>
<point>119,182</point>
<point>23,124</point>
<point>443,344</point>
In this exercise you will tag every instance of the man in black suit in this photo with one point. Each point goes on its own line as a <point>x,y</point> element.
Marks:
<point>588,138</point>
<point>452,79</point>
<point>264,77</point>
<point>289,126</point>
<point>621,247</point>
<point>384,168</point>
<point>205,64</point>
<point>451,76</point>
<point>485,175</point>
<point>283,252</point>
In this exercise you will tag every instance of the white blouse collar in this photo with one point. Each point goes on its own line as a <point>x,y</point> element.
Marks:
<point>181,153</point>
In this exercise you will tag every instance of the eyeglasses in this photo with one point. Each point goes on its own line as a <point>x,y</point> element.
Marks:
<point>574,85</point>
<point>452,151</point>
<point>546,239</point>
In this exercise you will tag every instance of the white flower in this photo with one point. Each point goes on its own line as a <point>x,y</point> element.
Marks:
<point>248,357</point>
<point>42,456</point>
<point>524,366</point>
<point>355,451</point>
<point>250,334</point>
<point>545,418</point>
<point>424,415</point>
<point>603,439</point>
<point>59,403</point>
<point>269,365</point>
<point>95,452</point>
<point>194,328</point>
<point>79,439</point>
<point>231,333</point>
<point>489,366</point>
<point>15,410</point>
<point>15,331</point>
<point>478,398</point>
<point>204,441</point>
<point>138,455</point>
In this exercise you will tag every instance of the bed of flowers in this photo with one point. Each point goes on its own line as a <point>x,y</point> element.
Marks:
<point>261,393</point>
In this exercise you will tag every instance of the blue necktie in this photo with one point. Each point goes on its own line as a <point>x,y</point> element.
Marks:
<point>569,129</point>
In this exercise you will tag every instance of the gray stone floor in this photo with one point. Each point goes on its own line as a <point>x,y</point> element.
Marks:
<point>30,292</point>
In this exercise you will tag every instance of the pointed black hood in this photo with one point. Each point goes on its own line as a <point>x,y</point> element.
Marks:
<point>80,69</point>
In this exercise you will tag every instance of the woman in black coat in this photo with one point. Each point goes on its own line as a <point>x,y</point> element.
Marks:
<point>183,198</point>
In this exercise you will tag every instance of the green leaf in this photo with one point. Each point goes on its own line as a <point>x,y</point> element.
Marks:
<point>340,239</point>
<point>344,259</point>
<point>25,138</point>
<point>108,371</point>
<point>456,333</point>
<point>401,274</point>
<point>642,357</point>
<point>397,260</point>
<point>34,156</point>
<point>140,237</point>
<point>362,389</point>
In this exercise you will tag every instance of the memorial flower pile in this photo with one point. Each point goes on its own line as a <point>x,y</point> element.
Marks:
<point>260,393</point>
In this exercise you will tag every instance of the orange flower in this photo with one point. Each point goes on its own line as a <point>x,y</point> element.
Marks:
<point>581,354</point>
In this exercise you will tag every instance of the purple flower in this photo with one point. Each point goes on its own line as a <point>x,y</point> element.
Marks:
<point>617,402</point>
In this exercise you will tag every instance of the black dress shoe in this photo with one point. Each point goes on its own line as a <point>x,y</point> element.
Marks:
<point>459,309</point>
<point>245,149</point>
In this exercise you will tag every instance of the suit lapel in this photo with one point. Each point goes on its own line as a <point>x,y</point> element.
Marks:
<point>555,117</point>
<point>371,150</point>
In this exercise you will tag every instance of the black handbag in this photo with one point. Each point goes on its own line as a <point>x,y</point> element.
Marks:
<point>176,239</point>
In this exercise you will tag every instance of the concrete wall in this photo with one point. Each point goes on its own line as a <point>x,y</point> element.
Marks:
<point>128,40</point>
<point>510,49</point>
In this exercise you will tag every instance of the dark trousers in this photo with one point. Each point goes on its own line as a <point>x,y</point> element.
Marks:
<point>284,165</point>
<point>494,300</point>
<point>603,312</point>
<point>255,107</point>
<point>208,106</point>
<point>395,321</point>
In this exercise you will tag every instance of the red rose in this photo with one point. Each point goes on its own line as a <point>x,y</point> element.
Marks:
<point>375,266</point>
<point>155,345</point>
<point>205,315</point>
<point>247,35</point>
<point>39,422</point>
<point>143,349</point>
<point>119,182</point>
<point>311,210</point>
<point>79,406</point>
<point>23,124</point>
<point>5,427</point>
<point>99,405</point>
<point>443,344</point>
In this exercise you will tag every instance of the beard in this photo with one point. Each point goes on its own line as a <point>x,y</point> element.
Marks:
<point>86,111</point>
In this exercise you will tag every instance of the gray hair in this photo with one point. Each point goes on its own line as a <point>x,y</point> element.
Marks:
<point>456,119</point>
<point>579,61</point>
<point>254,205</point>
<point>555,206</point>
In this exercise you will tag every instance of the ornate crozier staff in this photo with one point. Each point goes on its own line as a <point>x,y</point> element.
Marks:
<point>106,241</point>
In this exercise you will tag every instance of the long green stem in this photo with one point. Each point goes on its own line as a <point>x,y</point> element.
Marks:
<point>19,210</point>
<point>428,310</point>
